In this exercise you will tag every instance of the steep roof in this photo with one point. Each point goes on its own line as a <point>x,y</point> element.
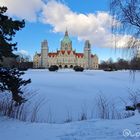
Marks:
<point>64,51</point>
<point>52,54</point>
<point>38,54</point>
<point>79,55</point>
<point>93,55</point>
<point>66,39</point>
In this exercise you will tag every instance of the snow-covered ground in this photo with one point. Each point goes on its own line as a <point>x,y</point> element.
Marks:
<point>67,93</point>
<point>126,129</point>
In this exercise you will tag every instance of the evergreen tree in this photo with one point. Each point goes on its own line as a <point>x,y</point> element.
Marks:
<point>10,79</point>
<point>8,28</point>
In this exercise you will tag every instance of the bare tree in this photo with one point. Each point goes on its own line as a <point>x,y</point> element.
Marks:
<point>127,13</point>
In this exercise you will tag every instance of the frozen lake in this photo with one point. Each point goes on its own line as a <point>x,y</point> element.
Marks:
<point>68,93</point>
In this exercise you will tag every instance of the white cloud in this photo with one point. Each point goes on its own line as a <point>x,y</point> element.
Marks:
<point>93,27</point>
<point>26,9</point>
<point>23,52</point>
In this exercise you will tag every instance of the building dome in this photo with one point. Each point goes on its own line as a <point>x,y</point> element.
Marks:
<point>66,39</point>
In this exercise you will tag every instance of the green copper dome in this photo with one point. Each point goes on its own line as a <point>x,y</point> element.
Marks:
<point>66,39</point>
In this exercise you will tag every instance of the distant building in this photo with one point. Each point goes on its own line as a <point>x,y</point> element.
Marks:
<point>138,53</point>
<point>66,57</point>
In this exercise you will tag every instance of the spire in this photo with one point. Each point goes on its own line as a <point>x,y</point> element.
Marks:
<point>66,33</point>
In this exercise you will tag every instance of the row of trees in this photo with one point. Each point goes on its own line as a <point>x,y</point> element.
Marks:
<point>121,64</point>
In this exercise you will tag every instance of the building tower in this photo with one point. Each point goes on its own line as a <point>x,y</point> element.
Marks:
<point>66,43</point>
<point>87,54</point>
<point>44,54</point>
<point>138,53</point>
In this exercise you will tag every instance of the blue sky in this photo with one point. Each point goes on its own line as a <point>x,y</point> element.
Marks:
<point>50,24</point>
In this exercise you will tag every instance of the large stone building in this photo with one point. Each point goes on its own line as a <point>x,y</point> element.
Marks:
<point>66,57</point>
<point>138,53</point>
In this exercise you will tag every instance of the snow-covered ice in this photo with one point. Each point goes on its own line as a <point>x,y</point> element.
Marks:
<point>69,93</point>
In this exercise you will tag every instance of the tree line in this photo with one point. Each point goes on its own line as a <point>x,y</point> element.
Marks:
<point>120,64</point>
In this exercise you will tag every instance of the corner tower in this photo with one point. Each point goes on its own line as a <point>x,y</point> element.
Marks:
<point>44,54</point>
<point>87,54</point>
<point>66,43</point>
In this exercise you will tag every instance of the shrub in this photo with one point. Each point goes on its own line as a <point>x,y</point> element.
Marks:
<point>22,69</point>
<point>22,112</point>
<point>130,108</point>
<point>53,68</point>
<point>78,68</point>
<point>10,80</point>
<point>110,69</point>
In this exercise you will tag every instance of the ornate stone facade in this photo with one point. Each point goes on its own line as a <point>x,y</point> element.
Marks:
<point>138,52</point>
<point>66,57</point>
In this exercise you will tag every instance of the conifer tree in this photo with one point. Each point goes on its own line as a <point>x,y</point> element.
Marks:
<point>8,29</point>
<point>10,79</point>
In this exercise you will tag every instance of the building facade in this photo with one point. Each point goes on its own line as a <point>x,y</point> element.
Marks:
<point>66,57</point>
<point>138,53</point>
